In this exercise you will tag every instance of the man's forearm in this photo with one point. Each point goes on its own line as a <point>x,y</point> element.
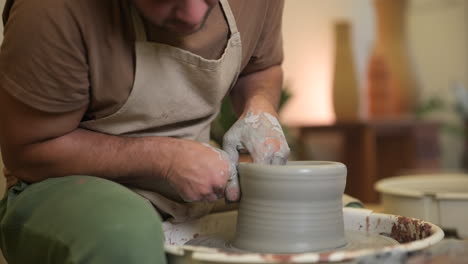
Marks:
<point>258,91</point>
<point>83,152</point>
<point>258,130</point>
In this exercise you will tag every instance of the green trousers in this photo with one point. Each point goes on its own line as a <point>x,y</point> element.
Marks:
<point>77,220</point>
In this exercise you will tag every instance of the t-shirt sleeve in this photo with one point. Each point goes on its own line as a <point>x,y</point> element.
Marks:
<point>43,57</point>
<point>269,49</point>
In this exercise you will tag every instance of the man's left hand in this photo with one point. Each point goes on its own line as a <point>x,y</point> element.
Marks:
<point>261,134</point>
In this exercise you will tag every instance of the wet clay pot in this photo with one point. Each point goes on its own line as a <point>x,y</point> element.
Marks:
<point>292,208</point>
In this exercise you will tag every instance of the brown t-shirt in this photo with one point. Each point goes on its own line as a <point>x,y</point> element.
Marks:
<point>61,55</point>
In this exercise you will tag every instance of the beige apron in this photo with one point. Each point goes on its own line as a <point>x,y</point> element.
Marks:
<point>177,94</point>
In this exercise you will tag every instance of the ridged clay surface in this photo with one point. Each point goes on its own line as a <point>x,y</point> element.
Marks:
<point>292,208</point>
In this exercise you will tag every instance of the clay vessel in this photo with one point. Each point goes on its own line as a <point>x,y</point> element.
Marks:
<point>292,208</point>
<point>392,82</point>
<point>345,87</point>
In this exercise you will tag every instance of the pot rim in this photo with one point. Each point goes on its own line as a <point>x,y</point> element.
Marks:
<point>297,169</point>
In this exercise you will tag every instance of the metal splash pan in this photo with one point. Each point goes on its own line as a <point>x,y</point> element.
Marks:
<point>409,234</point>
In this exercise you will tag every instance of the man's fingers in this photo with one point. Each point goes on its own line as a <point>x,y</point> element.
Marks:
<point>188,197</point>
<point>231,150</point>
<point>232,192</point>
<point>278,160</point>
<point>281,157</point>
<point>219,191</point>
<point>262,158</point>
<point>210,198</point>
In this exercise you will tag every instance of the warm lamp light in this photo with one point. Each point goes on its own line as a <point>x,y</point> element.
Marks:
<point>308,35</point>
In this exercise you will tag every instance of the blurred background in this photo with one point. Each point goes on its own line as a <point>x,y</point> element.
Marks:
<point>380,85</point>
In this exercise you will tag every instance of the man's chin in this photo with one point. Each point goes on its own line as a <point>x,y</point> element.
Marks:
<point>183,29</point>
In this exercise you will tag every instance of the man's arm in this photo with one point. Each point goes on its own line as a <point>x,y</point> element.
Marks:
<point>38,145</point>
<point>258,92</point>
<point>255,98</point>
<point>259,87</point>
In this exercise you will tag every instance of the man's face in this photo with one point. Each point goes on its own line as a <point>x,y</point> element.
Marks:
<point>182,17</point>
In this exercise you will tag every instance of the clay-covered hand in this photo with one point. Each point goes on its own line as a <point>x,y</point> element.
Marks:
<point>261,134</point>
<point>199,172</point>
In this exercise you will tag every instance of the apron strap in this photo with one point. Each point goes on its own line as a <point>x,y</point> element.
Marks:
<point>229,16</point>
<point>138,26</point>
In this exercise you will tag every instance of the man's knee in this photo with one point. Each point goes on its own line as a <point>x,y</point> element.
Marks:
<point>83,218</point>
<point>135,238</point>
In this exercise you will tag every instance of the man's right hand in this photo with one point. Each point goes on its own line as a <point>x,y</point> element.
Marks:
<point>198,171</point>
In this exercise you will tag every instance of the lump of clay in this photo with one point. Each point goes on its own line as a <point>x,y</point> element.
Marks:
<point>292,208</point>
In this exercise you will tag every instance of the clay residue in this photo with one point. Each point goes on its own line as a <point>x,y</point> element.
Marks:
<point>407,229</point>
<point>230,253</point>
<point>280,258</point>
<point>324,257</point>
<point>367,224</point>
<point>82,181</point>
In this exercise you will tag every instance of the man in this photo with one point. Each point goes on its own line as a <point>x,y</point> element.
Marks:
<point>124,91</point>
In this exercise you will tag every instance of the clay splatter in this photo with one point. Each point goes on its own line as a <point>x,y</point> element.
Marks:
<point>281,258</point>
<point>230,253</point>
<point>407,229</point>
<point>324,257</point>
<point>367,224</point>
<point>82,180</point>
<point>169,240</point>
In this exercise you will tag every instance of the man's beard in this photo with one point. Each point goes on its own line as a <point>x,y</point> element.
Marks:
<point>173,26</point>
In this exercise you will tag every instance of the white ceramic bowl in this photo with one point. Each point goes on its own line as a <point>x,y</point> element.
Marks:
<point>441,199</point>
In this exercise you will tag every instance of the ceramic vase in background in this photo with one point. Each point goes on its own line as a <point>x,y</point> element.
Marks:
<point>465,149</point>
<point>345,87</point>
<point>391,81</point>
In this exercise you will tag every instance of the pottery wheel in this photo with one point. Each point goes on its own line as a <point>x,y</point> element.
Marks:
<point>355,240</point>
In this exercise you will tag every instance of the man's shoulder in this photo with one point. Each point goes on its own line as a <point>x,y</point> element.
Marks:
<point>254,12</point>
<point>43,6</point>
<point>60,5</point>
<point>58,10</point>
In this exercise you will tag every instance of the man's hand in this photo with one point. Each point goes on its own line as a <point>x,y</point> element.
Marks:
<point>262,135</point>
<point>199,172</point>
<point>255,99</point>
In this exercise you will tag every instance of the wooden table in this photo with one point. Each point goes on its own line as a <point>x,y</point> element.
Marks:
<point>373,150</point>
